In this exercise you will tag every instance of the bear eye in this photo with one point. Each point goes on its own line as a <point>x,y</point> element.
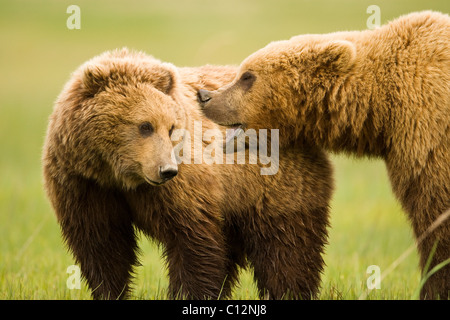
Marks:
<point>246,76</point>
<point>247,80</point>
<point>145,129</point>
<point>171,130</point>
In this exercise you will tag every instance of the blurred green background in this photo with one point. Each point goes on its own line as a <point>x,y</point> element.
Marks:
<point>38,53</point>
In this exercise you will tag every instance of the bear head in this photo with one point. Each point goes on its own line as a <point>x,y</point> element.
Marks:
<point>113,121</point>
<point>275,85</point>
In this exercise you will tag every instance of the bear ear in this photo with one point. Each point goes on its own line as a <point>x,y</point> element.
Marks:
<point>94,79</point>
<point>336,56</point>
<point>163,79</point>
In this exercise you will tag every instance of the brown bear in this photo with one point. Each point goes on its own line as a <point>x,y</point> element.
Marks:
<point>379,93</point>
<point>110,169</point>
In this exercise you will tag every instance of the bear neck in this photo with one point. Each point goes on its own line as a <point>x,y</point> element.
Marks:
<point>350,113</point>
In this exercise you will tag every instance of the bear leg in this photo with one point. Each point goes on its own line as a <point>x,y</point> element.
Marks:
<point>197,260</point>
<point>286,254</point>
<point>437,286</point>
<point>98,230</point>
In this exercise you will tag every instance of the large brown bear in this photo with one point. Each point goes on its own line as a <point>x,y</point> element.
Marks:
<point>108,159</point>
<point>381,93</point>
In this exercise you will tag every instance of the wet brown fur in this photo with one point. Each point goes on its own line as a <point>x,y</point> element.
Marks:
<point>209,218</point>
<point>380,93</point>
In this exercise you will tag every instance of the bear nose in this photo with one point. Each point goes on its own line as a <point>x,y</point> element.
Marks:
<point>168,172</point>
<point>203,96</point>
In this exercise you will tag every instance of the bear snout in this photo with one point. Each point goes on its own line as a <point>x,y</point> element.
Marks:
<point>203,96</point>
<point>167,172</point>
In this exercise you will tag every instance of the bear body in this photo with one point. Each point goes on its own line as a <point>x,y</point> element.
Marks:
<point>380,93</point>
<point>108,159</point>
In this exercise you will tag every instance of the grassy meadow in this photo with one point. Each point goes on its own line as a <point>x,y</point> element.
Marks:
<point>38,53</point>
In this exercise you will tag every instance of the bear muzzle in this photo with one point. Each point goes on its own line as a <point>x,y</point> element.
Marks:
<point>203,96</point>
<point>167,172</point>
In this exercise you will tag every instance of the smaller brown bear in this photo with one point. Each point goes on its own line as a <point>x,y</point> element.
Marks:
<point>381,93</point>
<point>109,170</point>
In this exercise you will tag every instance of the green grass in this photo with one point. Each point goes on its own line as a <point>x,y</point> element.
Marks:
<point>37,55</point>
